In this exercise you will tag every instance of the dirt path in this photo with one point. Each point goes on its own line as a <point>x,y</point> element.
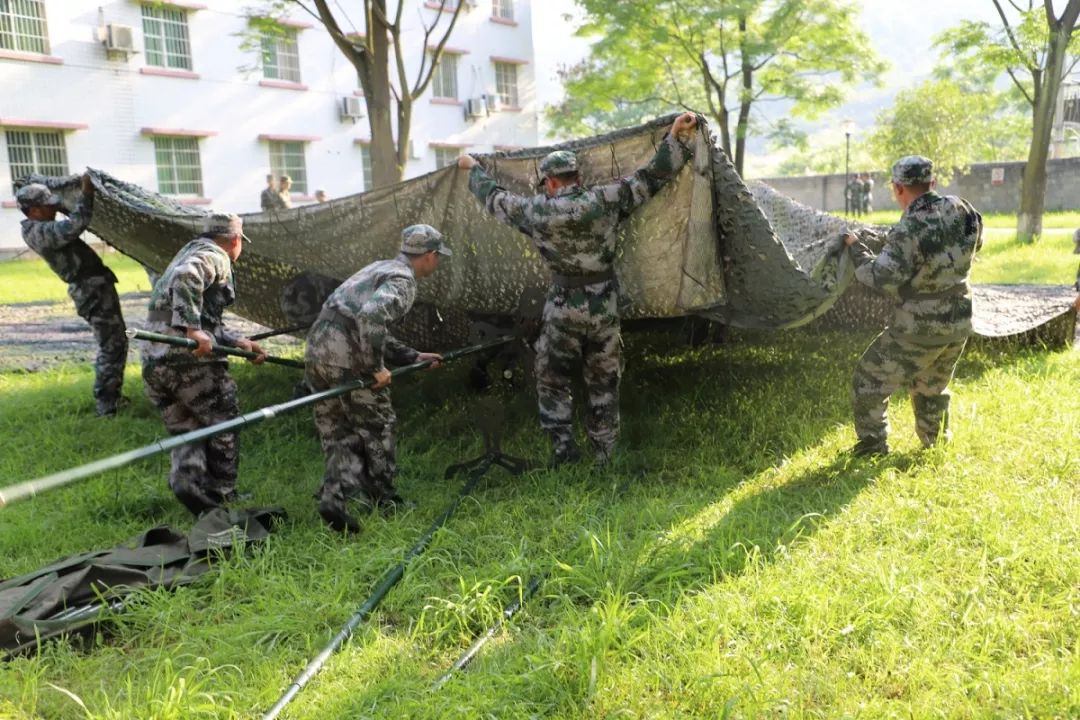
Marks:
<point>38,335</point>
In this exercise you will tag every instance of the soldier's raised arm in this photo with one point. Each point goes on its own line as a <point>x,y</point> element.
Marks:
<point>507,207</point>
<point>630,192</point>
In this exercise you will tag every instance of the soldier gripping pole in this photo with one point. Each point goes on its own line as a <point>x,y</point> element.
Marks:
<point>224,349</point>
<point>31,488</point>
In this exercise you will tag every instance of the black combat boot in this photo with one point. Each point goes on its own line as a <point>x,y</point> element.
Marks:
<point>870,447</point>
<point>195,500</point>
<point>334,510</point>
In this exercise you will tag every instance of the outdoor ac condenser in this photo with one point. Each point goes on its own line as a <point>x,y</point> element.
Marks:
<point>352,108</point>
<point>475,108</point>
<point>120,38</point>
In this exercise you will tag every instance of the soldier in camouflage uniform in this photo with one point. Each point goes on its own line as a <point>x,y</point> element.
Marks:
<point>269,199</point>
<point>575,230</point>
<point>924,265</point>
<point>351,340</point>
<point>90,283</point>
<point>192,388</point>
<point>284,192</point>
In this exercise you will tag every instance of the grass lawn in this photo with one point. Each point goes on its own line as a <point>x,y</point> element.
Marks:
<point>30,280</point>
<point>751,569</point>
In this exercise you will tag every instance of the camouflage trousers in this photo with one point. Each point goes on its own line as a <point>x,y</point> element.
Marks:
<point>193,396</point>
<point>891,363</point>
<point>357,435</point>
<point>593,340</point>
<point>97,303</point>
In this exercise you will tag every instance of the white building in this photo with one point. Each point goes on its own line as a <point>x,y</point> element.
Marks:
<point>177,106</point>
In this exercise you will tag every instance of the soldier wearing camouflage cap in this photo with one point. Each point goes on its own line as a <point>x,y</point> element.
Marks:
<point>575,229</point>
<point>924,265</point>
<point>350,340</point>
<point>192,388</point>
<point>91,285</point>
<point>284,192</point>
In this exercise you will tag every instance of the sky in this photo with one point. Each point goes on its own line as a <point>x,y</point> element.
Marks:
<point>902,33</point>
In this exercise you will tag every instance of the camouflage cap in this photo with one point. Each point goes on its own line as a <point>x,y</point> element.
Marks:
<point>913,170</point>
<point>286,178</point>
<point>35,194</point>
<point>420,239</point>
<point>224,224</point>
<point>560,162</point>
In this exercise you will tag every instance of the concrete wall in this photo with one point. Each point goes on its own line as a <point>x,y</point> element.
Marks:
<point>104,103</point>
<point>826,192</point>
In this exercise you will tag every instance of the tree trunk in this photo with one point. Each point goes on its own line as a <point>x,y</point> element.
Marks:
<point>384,155</point>
<point>1033,189</point>
<point>745,95</point>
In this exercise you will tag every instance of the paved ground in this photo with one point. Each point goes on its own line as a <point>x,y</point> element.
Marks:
<point>38,335</point>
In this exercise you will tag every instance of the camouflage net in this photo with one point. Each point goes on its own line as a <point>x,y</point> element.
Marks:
<point>707,244</point>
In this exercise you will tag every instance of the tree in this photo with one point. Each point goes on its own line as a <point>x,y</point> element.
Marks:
<point>388,93</point>
<point>720,56</point>
<point>1033,47</point>
<point>946,121</point>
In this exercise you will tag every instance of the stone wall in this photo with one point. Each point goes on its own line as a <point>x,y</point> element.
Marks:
<point>987,193</point>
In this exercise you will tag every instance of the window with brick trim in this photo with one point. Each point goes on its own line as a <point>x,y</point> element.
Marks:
<point>444,77</point>
<point>36,151</point>
<point>287,158</point>
<point>368,181</point>
<point>165,37</point>
<point>506,83</point>
<point>502,9</point>
<point>23,27</point>
<point>179,171</point>
<point>281,55</point>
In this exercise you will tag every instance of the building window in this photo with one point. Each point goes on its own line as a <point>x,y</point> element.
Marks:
<point>165,37</point>
<point>178,169</point>
<point>22,26</point>
<point>506,83</point>
<point>368,180</point>
<point>31,151</point>
<point>444,77</point>
<point>280,56</point>
<point>502,9</point>
<point>446,156</point>
<point>287,158</point>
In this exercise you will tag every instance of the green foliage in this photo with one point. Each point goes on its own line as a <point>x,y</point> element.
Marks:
<point>944,121</point>
<point>718,58</point>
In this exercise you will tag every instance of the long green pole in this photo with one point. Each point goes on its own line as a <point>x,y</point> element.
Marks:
<point>31,488</point>
<point>388,581</point>
<point>224,349</point>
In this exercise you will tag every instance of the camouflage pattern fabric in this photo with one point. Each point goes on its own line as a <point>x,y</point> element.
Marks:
<point>924,265</point>
<point>892,363</point>
<point>351,340</point>
<point>191,392</point>
<point>193,292</point>
<point>190,397</point>
<point>92,287</point>
<point>97,303</point>
<point>575,232</point>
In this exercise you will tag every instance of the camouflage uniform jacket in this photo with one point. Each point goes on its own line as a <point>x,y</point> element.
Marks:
<point>924,265</point>
<point>193,292</point>
<point>575,231</point>
<point>352,329</point>
<point>58,242</point>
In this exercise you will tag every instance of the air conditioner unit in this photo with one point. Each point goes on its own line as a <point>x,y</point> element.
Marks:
<point>475,108</point>
<point>493,103</point>
<point>120,38</point>
<point>413,154</point>
<point>351,108</point>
